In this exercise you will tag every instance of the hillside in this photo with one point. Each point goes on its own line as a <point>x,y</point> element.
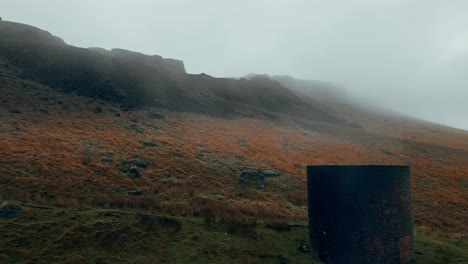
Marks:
<point>96,129</point>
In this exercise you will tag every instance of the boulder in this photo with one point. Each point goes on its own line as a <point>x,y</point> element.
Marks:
<point>134,172</point>
<point>270,173</point>
<point>137,192</point>
<point>172,181</point>
<point>250,174</point>
<point>107,160</point>
<point>148,144</point>
<point>140,163</point>
<point>15,111</point>
<point>258,176</point>
<point>253,175</point>
<point>123,169</point>
<point>98,110</point>
<point>155,115</point>
<point>135,128</point>
<point>303,248</point>
<point>10,211</point>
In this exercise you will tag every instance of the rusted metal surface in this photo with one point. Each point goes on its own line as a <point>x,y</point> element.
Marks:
<point>361,214</point>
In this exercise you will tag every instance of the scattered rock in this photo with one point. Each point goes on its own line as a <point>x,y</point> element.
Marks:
<point>240,157</point>
<point>85,160</point>
<point>261,184</point>
<point>16,132</point>
<point>137,192</point>
<point>299,166</point>
<point>135,128</point>
<point>116,189</point>
<point>242,182</point>
<point>123,169</point>
<point>15,111</point>
<point>250,174</point>
<point>254,175</point>
<point>355,125</point>
<point>177,154</point>
<point>98,110</point>
<point>270,173</point>
<point>172,181</point>
<point>140,163</point>
<point>303,248</point>
<point>155,115</point>
<point>258,176</point>
<point>134,172</point>
<point>10,211</point>
<point>234,168</point>
<point>175,182</point>
<point>118,115</point>
<point>148,144</point>
<point>107,160</point>
<point>200,155</point>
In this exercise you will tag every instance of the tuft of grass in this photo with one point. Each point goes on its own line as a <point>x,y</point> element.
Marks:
<point>443,249</point>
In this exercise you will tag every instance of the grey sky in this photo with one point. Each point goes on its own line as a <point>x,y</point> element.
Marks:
<point>408,55</point>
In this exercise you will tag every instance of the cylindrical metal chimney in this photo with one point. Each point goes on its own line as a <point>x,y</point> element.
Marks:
<point>360,214</point>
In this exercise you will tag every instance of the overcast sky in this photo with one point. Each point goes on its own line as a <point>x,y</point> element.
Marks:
<point>409,55</point>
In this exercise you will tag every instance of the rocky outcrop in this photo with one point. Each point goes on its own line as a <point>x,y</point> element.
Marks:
<point>135,80</point>
<point>168,66</point>
<point>17,32</point>
<point>173,65</point>
<point>257,176</point>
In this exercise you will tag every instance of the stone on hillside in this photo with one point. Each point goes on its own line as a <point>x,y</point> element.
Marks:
<point>242,182</point>
<point>15,111</point>
<point>303,248</point>
<point>137,192</point>
<point>98,110</point>
<point>175,182</point>
<point>10,211</point>
<point>250,174</point>
<point>155,115</point>
<point>140,163</point>
<point>148,144</point>
<point>258,176</point>
<point>107,160</point>
<point>270,173</point>
<point>134,172</point>
<point>135,128</point>
<point>172,181</point>
<point>177,154</point>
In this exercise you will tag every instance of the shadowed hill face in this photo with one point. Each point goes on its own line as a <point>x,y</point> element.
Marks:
<point>136,80</point>
<point>17,32</point>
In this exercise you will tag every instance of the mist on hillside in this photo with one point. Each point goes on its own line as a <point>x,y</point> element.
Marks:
<point>253,131</point>
<point>408,56</point>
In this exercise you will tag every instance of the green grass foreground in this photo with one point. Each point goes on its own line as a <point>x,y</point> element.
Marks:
<point>51,235</point>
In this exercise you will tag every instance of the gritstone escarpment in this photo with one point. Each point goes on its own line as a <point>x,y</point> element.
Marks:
<point>136,80</point>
